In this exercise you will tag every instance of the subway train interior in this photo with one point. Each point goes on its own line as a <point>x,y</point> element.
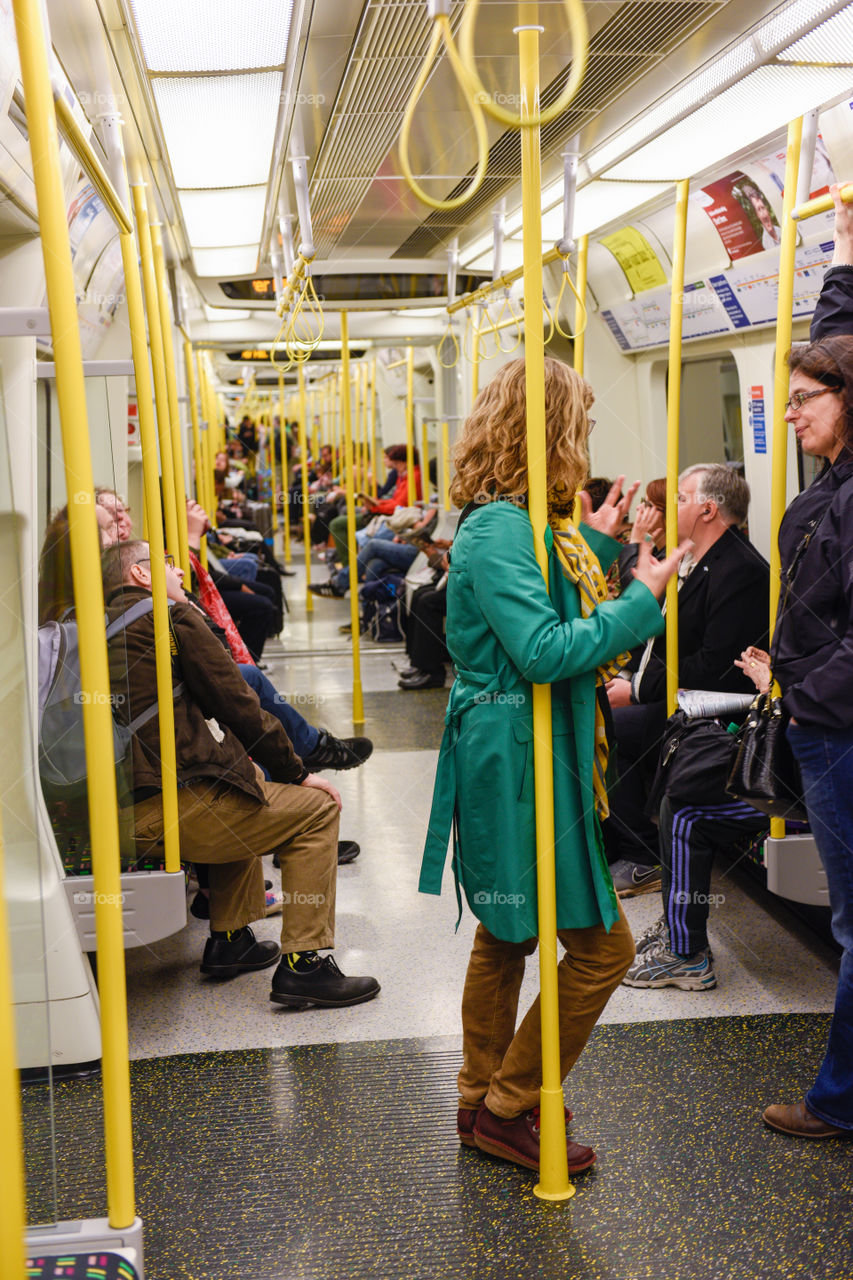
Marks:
<point>333,222</point>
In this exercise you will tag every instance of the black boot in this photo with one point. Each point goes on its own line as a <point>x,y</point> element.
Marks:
<point>303,979</point>
<point>227,954</point>
<point>337,753</point>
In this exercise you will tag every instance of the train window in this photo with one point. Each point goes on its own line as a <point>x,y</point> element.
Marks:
<point>106,405</point>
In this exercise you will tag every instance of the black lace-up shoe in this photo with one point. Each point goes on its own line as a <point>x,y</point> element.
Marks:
<point>337,753</point>
<point>303,980</point>
<point>348,851</point>
<point>227,954</point>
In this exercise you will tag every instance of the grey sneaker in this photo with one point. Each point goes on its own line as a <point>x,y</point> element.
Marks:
<point>658,967</point>
<point>657,934</point>
<point>630,879</point>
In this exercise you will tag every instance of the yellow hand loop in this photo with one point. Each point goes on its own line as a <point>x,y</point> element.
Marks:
<point>514,318</point>
<point>567,279</point>
<point>448,334</point>
<point>441,32</point>
<point>580,41</point>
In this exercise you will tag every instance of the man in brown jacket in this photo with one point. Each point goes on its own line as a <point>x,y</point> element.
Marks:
<point>229,815</point>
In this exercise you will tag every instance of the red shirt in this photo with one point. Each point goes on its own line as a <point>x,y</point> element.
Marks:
<point>400,496</point>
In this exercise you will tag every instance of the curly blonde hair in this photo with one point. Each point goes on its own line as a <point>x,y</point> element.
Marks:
<point>490,456</point>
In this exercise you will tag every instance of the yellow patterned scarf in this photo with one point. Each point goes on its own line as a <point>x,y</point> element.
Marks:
<point>582,568</point>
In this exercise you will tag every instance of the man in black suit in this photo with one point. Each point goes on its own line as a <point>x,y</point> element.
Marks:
<point>723,604</point>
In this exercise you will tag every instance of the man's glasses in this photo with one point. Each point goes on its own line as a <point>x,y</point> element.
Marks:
<point>590,423</point>
<point>799,398</point>
<point>170,560</point>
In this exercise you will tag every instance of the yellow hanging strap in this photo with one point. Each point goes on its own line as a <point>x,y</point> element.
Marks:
<point>451,359</point>
<point>579,32</point>
<point>580,306</point>
<point>441,33</point>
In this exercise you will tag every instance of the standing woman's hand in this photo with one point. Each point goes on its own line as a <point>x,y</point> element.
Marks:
<point>655,574</point>
<point>611,515</point>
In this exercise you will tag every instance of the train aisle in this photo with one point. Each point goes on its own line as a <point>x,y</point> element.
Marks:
<point>306,1146</point>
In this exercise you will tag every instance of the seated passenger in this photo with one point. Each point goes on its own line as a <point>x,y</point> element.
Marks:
<point>229,815</point>
<point>675,951</point>
<point>723,606</point>
<point>425,639</point>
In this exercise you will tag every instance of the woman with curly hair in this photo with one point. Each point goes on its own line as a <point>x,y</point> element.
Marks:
<point>505,632</point>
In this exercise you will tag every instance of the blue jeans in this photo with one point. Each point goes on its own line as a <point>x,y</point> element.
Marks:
<point>825,758</point>
<point>245,567</point>
<point>302,734</point>
<point>378,554</point>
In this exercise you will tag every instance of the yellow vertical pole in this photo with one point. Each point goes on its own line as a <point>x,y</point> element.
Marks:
<point>357,695</point>
<point>580,329</point>
<point>154,536</point>
<point>182,553</point>
<point>207,485</point>
<point>475,354</point>
<point>303,459</point>
<point>364,466</point>
<point>198,455</point>
<point>374,461</point>
<point>425,482</point>
<point>12,1199</point>
<point>89,603</point>
<point>210,442</point>
<point>316,410</point>
<point>285,475</point>
<point>445,465</point>
<point>553,1181</point>
<point>784,321</point>
<point>273,475</point>
<point>155,340</point>
<point>410,426</point>
<point>673,420</point>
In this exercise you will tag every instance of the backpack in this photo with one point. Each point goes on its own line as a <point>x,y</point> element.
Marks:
<point>382,610</point>
<point>62,747</point>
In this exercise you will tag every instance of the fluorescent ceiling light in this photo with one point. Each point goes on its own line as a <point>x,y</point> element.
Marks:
<point>600,203</point>
<point>827,43</point>
<point>238,260</point>
<point>231,215</point>
<point>215,125</point>
<point>476,250</point>
<point>180,35</point>
<point>760,104</point>
<point>675,104</point>
<point>222,314</point>
<point>783,25</point>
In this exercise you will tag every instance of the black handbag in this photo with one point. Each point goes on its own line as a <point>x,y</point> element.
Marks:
<point>694,763</point>
<point>765,773</point>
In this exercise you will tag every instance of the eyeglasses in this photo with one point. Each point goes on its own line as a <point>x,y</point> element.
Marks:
<point>170,560</point>
<point>799,398</point>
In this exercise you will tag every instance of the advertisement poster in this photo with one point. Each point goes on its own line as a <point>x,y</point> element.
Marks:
<point>637,259</point>
<point>822,175</point>
<point>742,215</point>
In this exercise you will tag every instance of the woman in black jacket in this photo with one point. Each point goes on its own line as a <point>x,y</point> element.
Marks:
<point>812,659</point>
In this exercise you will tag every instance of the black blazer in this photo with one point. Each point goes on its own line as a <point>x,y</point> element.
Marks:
<point>723,606</point>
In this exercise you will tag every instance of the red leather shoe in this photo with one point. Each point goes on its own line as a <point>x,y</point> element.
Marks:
<point>518,1140</point>
<point>797,1121</point>
<point>465,1118</point>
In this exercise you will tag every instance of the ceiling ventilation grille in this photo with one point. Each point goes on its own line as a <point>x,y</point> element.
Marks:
<point>635,39</point>
<point>389,50</point>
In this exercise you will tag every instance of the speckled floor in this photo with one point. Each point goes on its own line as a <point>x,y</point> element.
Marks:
<point>319,1145</point>
<point>341,1160</point>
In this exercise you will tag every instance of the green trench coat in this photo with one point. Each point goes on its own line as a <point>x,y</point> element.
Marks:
<point>504,633</point>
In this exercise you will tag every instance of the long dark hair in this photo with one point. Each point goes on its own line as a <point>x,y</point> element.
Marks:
<point>830,361</point>
<point>56,590</point>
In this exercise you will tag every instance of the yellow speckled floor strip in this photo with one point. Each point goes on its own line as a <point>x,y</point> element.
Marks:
<point>330,1161</point>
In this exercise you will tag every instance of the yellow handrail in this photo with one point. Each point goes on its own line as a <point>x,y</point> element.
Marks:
<point>673,419</point>
<point>441,33</point>
<point>822,204</point>
<point>83,150</point>
<point>374,484</point>
<point>412,491</point>
<point>784,323</point>
<point>154,531</point>
<point>580,295</point>
<point>553,1181</point>
<point>182,552</point>
<point>502,282</point>
<point>89,602</point>
<point>525,119</point>
<point>357,694</point>
<point>12,1198</point>
<point>198,456</point>
<point>158,365</point>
